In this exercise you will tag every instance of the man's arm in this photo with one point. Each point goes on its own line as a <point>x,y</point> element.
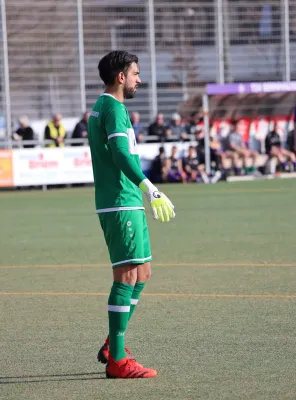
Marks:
<point>123,160</point>
<point>116,127</point>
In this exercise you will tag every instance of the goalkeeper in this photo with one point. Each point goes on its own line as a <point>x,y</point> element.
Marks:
<point>119,184</point>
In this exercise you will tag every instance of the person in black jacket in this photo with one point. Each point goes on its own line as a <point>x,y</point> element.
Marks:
<point>80,131</point>
<point>274,148</point>
<point>24,133</point>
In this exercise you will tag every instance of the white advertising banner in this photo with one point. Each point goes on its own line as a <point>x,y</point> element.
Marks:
<point>54,166</point>
<point>36,166</point>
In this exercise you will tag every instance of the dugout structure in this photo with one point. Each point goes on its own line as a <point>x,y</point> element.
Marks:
<point>256,105</point>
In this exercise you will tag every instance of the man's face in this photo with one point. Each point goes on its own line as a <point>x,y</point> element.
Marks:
<point>132,80</point>
<point>57,119</point>
<point>159,119</point>
<point>86,116</point>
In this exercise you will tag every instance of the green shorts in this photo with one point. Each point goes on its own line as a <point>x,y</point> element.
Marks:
<point>127,237</point>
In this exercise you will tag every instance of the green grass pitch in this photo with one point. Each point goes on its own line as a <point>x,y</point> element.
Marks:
<point>217,320</point>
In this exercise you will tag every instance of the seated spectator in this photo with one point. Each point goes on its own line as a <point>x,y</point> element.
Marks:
<point>137,126</point>
<point>80,130</point>
<point>218,158</point>
<point>159,168</point>
<point>237,150</point>
<point>274,148</point>
<point>24,133</point>
<point>291,143</point>
<point>190,165</point>
<point>55,131</point>
<point>176,129</point>
<point>194,125</point>
<point>158,129</point>
<point>174,168</point>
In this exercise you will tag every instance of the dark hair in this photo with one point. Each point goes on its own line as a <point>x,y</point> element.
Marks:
<point>113,63</point>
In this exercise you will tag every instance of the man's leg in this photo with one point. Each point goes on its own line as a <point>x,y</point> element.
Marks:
<point>119,308</point>
<point>143,275</point>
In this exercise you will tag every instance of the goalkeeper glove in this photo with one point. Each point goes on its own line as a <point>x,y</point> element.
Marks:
<point>162,208</point>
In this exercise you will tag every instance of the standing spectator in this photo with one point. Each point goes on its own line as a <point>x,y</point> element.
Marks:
<point>158,128</point>
<point>237,150</point>
<point>80,130</point>
<point>176,129</point>
<point>174,167</point>
<point>137,126</point>
<point>159,168</point>
<point>24,132</point>
<point>55,131</point>
<point>274,148</point>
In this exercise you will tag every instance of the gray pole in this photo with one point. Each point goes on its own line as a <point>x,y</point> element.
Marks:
<point>287,41</point>
<point>6,73</point>
<point>81,55</point>
<point>205,103</point>
<point>113,32</point>
<point>153,83</point>
<point>220,42</point>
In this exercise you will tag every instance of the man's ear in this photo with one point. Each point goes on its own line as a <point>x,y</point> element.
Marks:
<point>120,77</point>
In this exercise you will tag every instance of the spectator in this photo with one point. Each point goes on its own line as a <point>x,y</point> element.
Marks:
<point>237,150</point>
<point>158,128</point>
<point>190,164</point>
<point>55,131</point>
<point>218,158</point>
<point>194,125</point>
<point>174,168</point>
<point>24,133</point>
<point>80,130</point>
<point>291,142</point>
<point>159,169</point>
<point>274,148</point>
<point>176,129</point>
<point>137,126</point>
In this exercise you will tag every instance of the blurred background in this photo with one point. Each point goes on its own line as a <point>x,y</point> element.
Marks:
<point>50,51</point>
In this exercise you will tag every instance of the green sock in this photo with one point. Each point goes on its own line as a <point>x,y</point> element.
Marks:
<point>139,286</point>
<point>118,310</point>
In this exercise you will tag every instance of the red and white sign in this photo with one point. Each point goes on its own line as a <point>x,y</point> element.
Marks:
<point>77,165</point>
<point>36,166</point>
<point>52,166</point>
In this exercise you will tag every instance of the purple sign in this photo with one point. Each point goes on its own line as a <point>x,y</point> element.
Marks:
<point>251,87</point>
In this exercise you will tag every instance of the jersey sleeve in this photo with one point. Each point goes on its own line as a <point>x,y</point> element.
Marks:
<point>116,127</point>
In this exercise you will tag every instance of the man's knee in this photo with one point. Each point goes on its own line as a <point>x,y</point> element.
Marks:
<point>144,272</point>
<point>126,274</point>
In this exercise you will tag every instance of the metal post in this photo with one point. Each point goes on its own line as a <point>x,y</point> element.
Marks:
<point>287,40</point>
<point>205,104</point>
<point>153,84</point>
<point>220,42</point>
<point>6,75</point>
<point>81,55</point>
<point>113,34</point>
<point>183,61</point>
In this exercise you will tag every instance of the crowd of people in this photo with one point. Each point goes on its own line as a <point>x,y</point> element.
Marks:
<point>228,154</point>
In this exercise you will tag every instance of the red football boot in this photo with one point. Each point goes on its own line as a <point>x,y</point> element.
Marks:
<point>127,368</point>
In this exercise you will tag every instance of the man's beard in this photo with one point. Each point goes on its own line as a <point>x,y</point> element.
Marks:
<point>129,93</point>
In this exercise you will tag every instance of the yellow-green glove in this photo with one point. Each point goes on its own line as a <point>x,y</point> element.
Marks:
<point>162,208</point>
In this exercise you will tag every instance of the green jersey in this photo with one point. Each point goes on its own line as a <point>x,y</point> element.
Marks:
<point>115,160</point>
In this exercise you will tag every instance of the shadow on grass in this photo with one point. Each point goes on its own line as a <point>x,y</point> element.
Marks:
<point>6,380</point>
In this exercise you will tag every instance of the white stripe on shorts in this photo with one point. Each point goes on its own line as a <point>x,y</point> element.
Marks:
<point>134,301</point>
<point>104,210</point>
<point>119,308</point>
<point>133,260</point>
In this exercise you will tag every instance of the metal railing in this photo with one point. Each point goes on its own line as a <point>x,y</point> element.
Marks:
<point>49,50</point>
